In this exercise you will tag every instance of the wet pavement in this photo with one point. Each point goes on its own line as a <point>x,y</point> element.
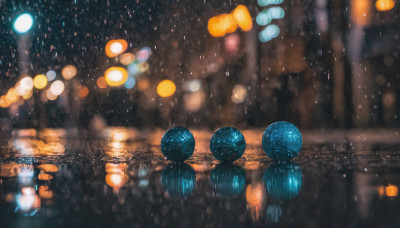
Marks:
<point>119,178</point>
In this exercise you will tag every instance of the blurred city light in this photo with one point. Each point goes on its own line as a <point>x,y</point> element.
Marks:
<point>26,84</point>
<point>130,83</point>
<point>232,42</point>
<point>239,94</point>
<point>266,16</point>
<point>243,18</point>
<point>23,23</point>
<point>391,190</point>
<point>69,72</point>
<point>51,75</point>
<point>143,54</point>
<point>57,88</point>
<point>268,2</point>
<point>270,32</point>
<point>361,11</point>
<point>143,84</point>
<point>101,82</point>
<point>115,47</point>
<point>116,76</point>
<point>385,5</point>
<point>40,81</point>
<point>127,58</point>
<point>12,95</point>
<point>83,91</point>
<point>192,86</point>
<point>220,25</point>
<point>50,96</point>
<point>166,88</point>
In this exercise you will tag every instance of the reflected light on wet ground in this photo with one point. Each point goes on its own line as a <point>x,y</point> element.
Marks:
<point>119,176</point>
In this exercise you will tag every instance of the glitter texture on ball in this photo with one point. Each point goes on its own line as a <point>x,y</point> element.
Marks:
<point>282,141</point>
<point>227,144</point>
<point>177,144</point>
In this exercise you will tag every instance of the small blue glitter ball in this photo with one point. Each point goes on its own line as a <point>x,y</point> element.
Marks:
<point>227,144</point>
<point>283,180</point>
<point>177,144</point>
<point>228,179</point>
<point>282,141</point>
<point>178,179</point>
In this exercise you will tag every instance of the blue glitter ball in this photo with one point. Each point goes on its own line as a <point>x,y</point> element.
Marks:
<point>178,179</point>
<point>177,144</point>
<point>282,141</point>
<point>227,144</point>
<point>228,179</point>
<point>283,180</point>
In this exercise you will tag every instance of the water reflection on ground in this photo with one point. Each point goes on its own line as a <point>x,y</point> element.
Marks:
<point>118,177</point>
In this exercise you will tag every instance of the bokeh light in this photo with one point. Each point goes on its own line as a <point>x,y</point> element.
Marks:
<point>115,47</point>
<point>27,95</point>
<point>166,88</point>
<point>130,83</point>
<point>69,72</point>
<point>51,75</point>
<point>11,95</point>
<point>266,16</point>
<point>270,32</point>
<point>143,54</point>
<point>26,83</point>
<point>192,86</point>
<point>268,2</point>
<point>40,81</point>
<point>391,190</point>
<point>220,25</point>
<point>23,23</point>
<point>83,91</point>
<point>143,84</point>
<point>385,5</point>
<point>4,102</point>
<point>239,94</point>
<point>143,67</point>
<point>232,42</point>
<point>101,82</point>
<point>50,96</point>
<point>243,18</point>
<point>127,58</point>
<point>116,76</point>
<point>57,88</point>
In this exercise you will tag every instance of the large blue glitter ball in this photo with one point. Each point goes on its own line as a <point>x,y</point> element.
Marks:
<point>178,179</point>
<point>177,144</point>
<point>228,179</point>
<point>282,141</point>
<point>283,180</point>
<point>227,144</point>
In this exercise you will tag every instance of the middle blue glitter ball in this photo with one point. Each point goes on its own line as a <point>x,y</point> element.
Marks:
<point>177,144</point>
<point>227,144</point>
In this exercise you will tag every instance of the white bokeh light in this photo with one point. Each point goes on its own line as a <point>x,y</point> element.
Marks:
<point>23,23</point>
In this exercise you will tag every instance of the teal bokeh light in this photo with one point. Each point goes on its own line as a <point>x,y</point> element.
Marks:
<point>266,16</point>
<point>268,2</point>
<point>130,83</point>
<point>270,32</point>
<point>23,23</point>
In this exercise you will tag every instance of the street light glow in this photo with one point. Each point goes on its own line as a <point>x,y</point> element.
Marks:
<point>23,23</point>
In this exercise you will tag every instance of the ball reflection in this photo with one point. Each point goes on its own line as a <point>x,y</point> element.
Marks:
<point>228,179</point>
<point>283,180</point>
<point>178,179</point>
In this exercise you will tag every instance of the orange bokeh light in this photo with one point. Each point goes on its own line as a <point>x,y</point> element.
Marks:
<point>220,25</point>
<point>391,190</point>
<point>69,72</point>
<point>385,5</point>
<point>166,88</point>
<point>243,18</point>
<point>101,82</point>
<point>83,91</point>
<point>116,47</point>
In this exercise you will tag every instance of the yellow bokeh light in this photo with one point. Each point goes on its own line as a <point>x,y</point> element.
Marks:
<point>385,5</point>
<point>243,18</point>
<point>115,47</point>
<point>101,82</point>
<point>28,95</point>
<point>127,58</point>
<point>116,76</point>
<point>40,81</point>
<point>69,72</point>
<point>11,96</point>
<point>4,102</point>
<point>166,88</point>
